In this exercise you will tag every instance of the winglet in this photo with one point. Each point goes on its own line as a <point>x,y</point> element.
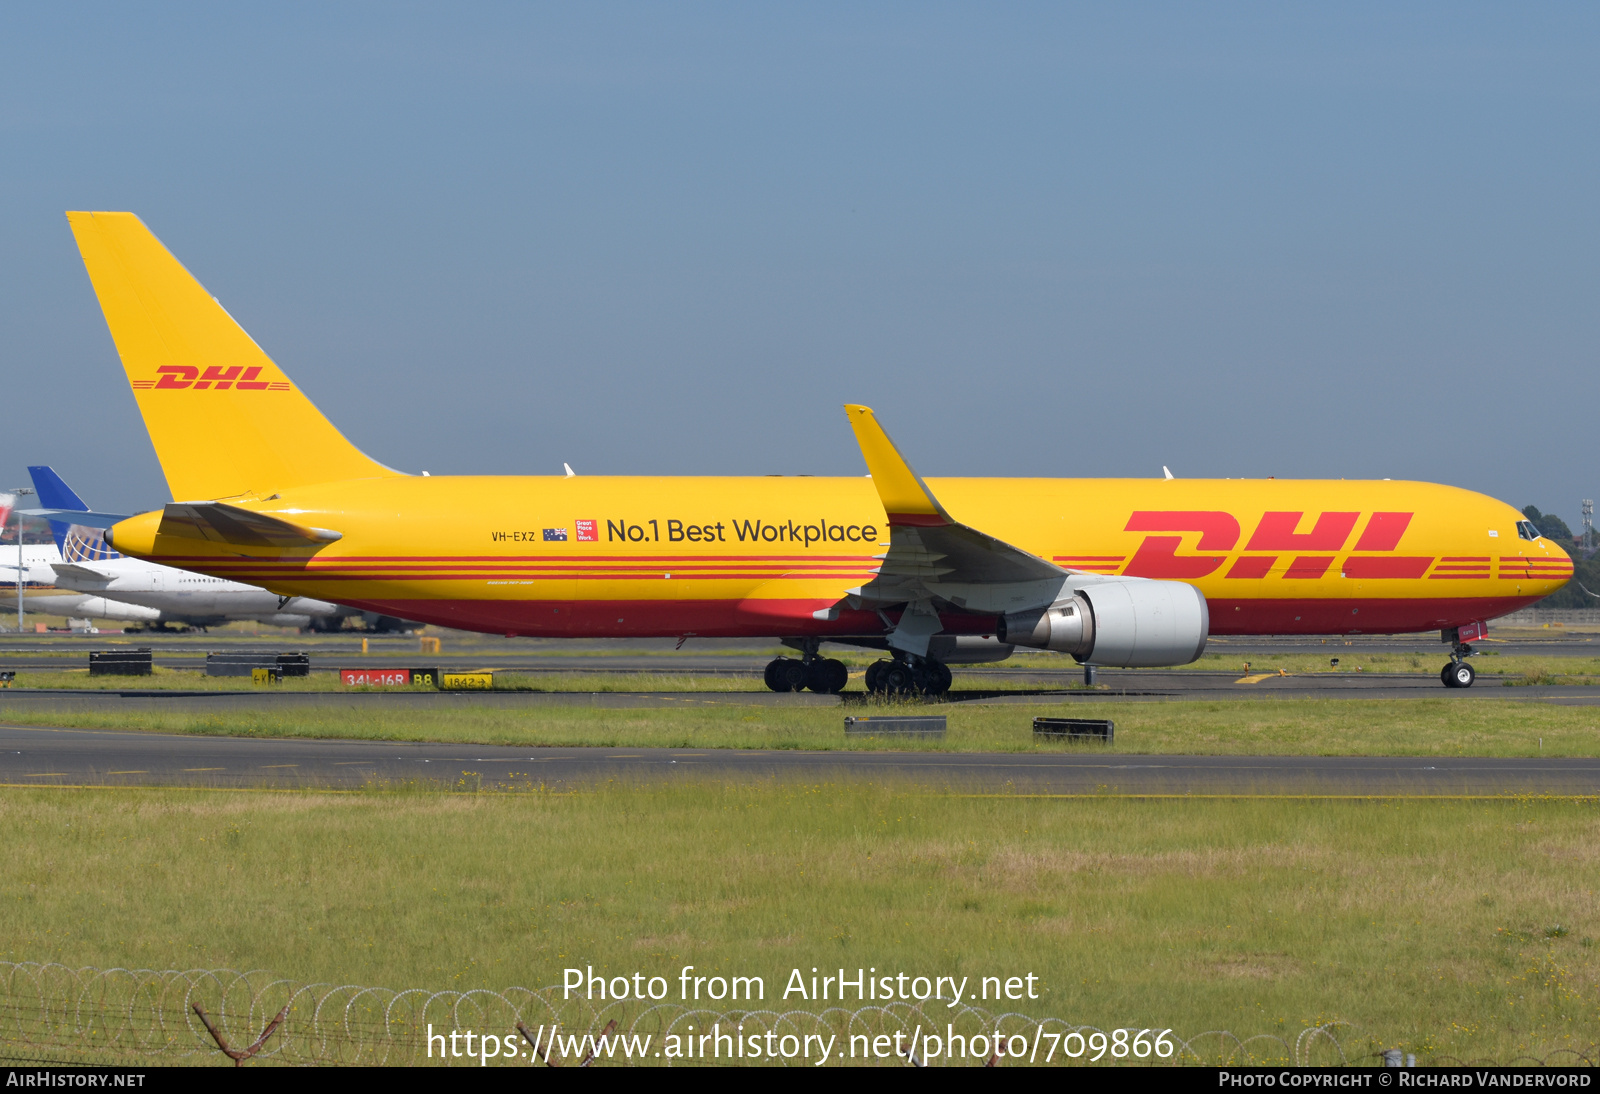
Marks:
<point>906,499</point>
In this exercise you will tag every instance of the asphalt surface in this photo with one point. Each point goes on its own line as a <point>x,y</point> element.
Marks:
<point>33,756</point>
<point>43,757</point>
<point>1019,687</point>
<point>737,657</point>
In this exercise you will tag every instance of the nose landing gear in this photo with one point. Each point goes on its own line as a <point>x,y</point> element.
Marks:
<point>1458,674</point>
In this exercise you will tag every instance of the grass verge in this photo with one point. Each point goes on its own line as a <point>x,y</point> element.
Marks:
<point>1455,928</point>
<point>1445,726</point>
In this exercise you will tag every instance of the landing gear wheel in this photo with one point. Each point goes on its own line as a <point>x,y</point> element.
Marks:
<point>1458,674</point>
<point>933,678</point>
<point>895,678</point>
<point>786,674</point>
<point>874,676</point>
<point>827,677</point>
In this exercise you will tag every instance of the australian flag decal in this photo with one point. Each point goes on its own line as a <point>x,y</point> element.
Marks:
<point>555,535</point>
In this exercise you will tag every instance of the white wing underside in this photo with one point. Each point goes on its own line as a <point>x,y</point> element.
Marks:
<point>959,566</point>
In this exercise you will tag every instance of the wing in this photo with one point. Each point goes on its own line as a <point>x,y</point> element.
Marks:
<point>933,557</point>
<point>220,523</point>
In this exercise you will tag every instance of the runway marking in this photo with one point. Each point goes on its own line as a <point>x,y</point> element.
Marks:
<point>45,775</point>
<point>1507,796</point>
<point>1257,677</point>
<point>127,772</point>
<point>205,769</point>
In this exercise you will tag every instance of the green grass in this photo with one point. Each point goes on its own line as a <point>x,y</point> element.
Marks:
<point>1557,669</point>
<point>1445,928</point>
<point>1443,726</point>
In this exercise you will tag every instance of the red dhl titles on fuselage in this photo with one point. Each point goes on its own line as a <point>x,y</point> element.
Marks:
<point>759,556</point>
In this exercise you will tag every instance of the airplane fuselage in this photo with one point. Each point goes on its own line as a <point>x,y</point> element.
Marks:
<point>593,556</point>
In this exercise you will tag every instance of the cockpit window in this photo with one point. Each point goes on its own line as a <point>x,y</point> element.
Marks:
<point>1526,530</point>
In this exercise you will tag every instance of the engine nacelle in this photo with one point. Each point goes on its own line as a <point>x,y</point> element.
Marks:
<point>1135,623</point>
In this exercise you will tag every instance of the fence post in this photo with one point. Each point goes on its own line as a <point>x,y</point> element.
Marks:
<point>533,1040</point>
<point>594,1045</point>
<point>234,1054</point>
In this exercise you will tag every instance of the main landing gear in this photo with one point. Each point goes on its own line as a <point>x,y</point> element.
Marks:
<point>823,675</point>
<point>908,676</point>
<point>904,675</point>
<point>1458,674</point>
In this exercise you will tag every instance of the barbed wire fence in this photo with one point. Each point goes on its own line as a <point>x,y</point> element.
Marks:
<point>53,1014</point>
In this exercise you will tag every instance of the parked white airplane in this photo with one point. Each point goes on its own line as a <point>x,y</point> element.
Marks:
<point>142,592</point>
<point>38,574</point>
<point>44,597</point>
<point>108,585</point>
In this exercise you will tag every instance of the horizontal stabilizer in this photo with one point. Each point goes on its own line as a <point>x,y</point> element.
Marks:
<point>79,572</point>
<point>77,516</point>
<point>221,523</point>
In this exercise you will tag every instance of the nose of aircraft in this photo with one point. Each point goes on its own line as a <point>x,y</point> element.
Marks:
<point>1550,567</point>
<point>1556,553</point>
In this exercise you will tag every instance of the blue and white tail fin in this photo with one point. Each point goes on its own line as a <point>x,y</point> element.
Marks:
<point>76,542</point>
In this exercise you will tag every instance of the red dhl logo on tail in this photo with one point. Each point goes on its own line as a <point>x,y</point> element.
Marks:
<point>216,378</point>
<point>1309,553</point>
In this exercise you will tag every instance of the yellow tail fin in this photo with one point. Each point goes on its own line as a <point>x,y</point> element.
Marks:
<point>225,421</point>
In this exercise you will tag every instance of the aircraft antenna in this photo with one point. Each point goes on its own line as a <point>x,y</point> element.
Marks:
<point>571,474</point>
<point>1166,473</point>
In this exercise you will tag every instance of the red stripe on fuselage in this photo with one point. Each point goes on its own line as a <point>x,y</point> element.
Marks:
<point>793,617</point>
<point>1362,567</point>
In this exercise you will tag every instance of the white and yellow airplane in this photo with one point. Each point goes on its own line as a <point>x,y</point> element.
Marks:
<point>1117,572</point>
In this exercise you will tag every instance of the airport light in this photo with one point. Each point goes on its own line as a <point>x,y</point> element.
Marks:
<point>20,492</point>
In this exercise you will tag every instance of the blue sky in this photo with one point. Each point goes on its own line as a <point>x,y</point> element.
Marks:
<point>1344,241</point>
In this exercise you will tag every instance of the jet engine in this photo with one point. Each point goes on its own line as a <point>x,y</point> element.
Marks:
<point>1133,623</point>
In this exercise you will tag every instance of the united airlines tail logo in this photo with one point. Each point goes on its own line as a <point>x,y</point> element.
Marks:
<point>82,544</point>
<point>215,378</point>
